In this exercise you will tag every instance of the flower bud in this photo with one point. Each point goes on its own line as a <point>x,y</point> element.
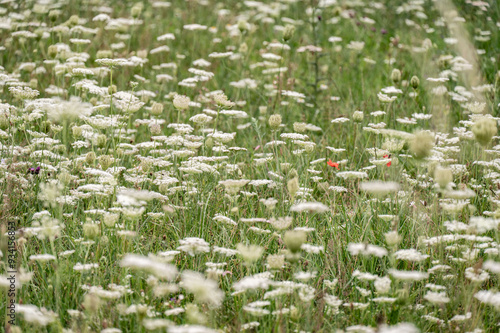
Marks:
<point>52,51</point>
<point>275,121</point>
<point>299,127</point>
<point>396,75</point>
<point>101,54</point>
<point>91,230</point>
<point>101,140</point>
<point>294,239</point>
<point>91,303</point>
<point>112,89</point>
<point>73,20</point>
<point>209,142</point>
<point>104,240</point>
<point>357,116</point>
<point>275,261</point>
<point>288,32</point>
<point>54,14</point>
<point>4,122</point>
<point>136,10</point>
<point>143,54</point>
<point>105,161</point>
<point>242,25</point>
<point>421,144</point>
<point>443,176</point>
<point>414,82</point>
<point>193,314</point>
<point>382,285</point>
<point>392,238</point>
<point>33,83</point>
<point>157,109</point>
<point>77,131</point>
<point>181,102</point>
<point>45,126</point>
<point>293,186</point>
<point>90,157</point>
<point>64,177</point>
<point>309,148</point>
<point>484,129</point>
<point>243,48</point>
<point>110,219</point>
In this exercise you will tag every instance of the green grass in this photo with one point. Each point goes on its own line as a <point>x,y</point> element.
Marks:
<point>77,190</point>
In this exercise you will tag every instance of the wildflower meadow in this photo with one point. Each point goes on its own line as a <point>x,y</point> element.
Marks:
<point>203,166</point>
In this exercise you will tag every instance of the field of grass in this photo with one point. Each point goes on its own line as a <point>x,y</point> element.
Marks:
<point>260,166</point>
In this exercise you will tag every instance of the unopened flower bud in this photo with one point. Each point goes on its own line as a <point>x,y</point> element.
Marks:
<point>64,177</point>
<point>209,143</point>
<point>110,219</point>
<point>275,261</point>
<point>54,14</point>
<point>357,116</point>
<point>136,10</point>
<point>294,239</point>
<point>33,83</point>
<point>288,32</point>
<point>101,54</point>
<point>242,25</point>
<point>77,131</point>
<point>105,161</point>
<point>90,157</point>
<point>275,121</point>
<point>157,109</point>
<point>243,48</point>
<point>414,82</point>
<point>4,122</point>
<point>181,102</point>
<point>392,238</point>
<point>112,89</point>
<point>293,186</point>
<point>73,20</point>
<point>91,303</point>
<point>299,127</point>
<point>484,129</point>
<point>396,75</point>
<point>91,230</point>
<point>443,176</point>
<point>101,140</point>
<point>52,51</point>
<point>421,144</point>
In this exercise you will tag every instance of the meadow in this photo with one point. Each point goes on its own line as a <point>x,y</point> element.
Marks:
<point>249,166</point>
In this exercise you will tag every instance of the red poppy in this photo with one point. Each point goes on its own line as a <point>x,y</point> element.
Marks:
<point>333,164</point>
<point>389,163</point>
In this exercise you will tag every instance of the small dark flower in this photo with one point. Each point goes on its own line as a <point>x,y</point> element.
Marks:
<point>383,31</point>
<point>34,171</point>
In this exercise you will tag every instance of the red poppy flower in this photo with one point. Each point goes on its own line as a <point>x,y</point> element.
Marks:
<point>333,164</point>
<point>389,163</point>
